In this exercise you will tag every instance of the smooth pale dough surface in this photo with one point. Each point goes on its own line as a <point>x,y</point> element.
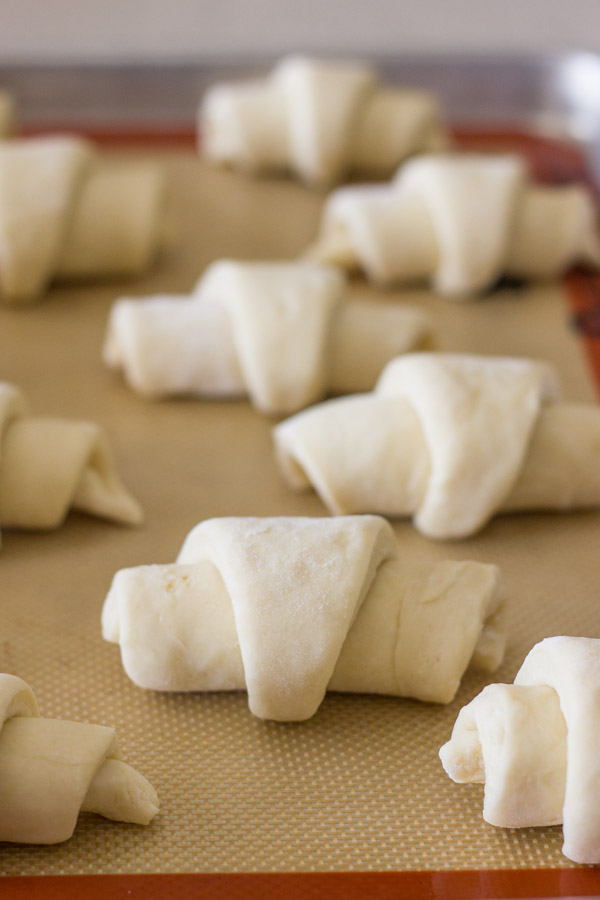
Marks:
<point>51,769</point>
<point>535,745</point>
<point>449,439</point>
<point>321,120</point>
<point>459,223</point>
<point>283,333</point>
<point>49,466</point>
<point>287,607</point>
<point>64,213</point>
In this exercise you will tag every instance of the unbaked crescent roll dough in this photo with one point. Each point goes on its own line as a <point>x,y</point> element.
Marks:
<point>288,607</point>
<point>6,114</point>
<point>321,120</point>
<point>51,770</point>
<point>50,465</point>
<point>283,333</point>
<point>459,221</point>
<point>535,745</point>
<point>65,213</point>
<point>451,439</point>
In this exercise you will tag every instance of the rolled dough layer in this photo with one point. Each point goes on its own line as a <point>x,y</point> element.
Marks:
<point>283,333</point>
<point>321,120</point>
<point>65,213</point>
<point>459,222</point>
<point>51,770</point>
<point>49,466</point>
<point>287,608</point>
<point>534,744</point>
<point>449,439</point>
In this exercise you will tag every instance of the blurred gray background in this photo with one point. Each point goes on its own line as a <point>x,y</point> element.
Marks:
<point>189,30</point>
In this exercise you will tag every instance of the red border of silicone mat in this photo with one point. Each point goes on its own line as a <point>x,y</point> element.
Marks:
<point>465,885</point>
<point>551,161</point>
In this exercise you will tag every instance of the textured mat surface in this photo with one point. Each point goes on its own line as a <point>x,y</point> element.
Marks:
<point>358,787</point>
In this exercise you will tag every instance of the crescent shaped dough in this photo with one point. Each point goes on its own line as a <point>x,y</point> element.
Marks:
<point>66,214</point>
<point>451,439</point>
<point>535,745</point>
<point>51,769</point>
<point>6,114</point>
<point>287,607</point>
<point>459,221</point>
<point>321,120</point>
<point>48,466</point>
<point>282,333</point>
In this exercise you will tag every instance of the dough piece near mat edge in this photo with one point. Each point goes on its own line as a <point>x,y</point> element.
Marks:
<point>534,744</point>
<point>287,607</point>
<point>6,114</point>
<point>460,222</point>
<point>450,440</point>
<point>284,333</point>
<point>319,119</point>
<point>52,769</point>
<point>65,213</point>
<point>49,466</point>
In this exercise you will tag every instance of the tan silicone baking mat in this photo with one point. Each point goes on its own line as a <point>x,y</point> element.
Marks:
<point>359,786</point>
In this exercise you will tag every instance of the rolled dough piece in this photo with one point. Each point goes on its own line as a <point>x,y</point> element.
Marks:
<point>459,222</point>
<point>50,465</point>
<point>321,120</point>
<point>52,769</point>
<point>65,213</point>
<point>449,439</point>
<point>287,607</point>
<point>283,333</point>
<point>6,114</point>
<point>534,744</point>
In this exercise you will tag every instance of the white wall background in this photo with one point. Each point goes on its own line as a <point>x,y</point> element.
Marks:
<point>188,30</point>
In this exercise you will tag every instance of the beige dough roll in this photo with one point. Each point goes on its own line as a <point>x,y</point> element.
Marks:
<point>450,440</point>
<point>288,608</point>
<point>321,120</point>
<point>49,466</point>
<point>6,114</point>
<point>51,770</point>
<point>534,744</point>
<point>459,222</point>
<point>284,334</point>
<point>64,213</point>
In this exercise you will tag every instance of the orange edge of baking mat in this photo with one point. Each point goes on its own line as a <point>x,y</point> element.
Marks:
<point>552,161</point>
<point>583,294</point>
<point>464,885</point>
